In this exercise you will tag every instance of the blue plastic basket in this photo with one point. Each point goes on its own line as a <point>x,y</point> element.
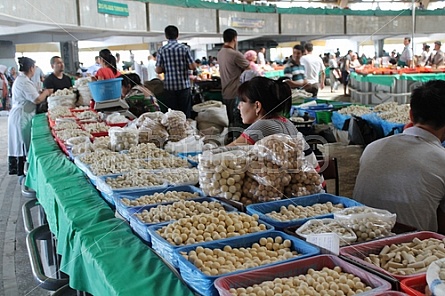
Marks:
<point>187,154</point>
<point>105,90</point>
<point>261,209</point>
<point>141,228</point>
<point>166,250</point>
<point>203,284</point>
<point>125,211</point>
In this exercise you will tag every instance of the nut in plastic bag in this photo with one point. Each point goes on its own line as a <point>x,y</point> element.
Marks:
<point>327,225</point>
<point>367,223</point>
<point>123,138</point>
<point>222,174</point>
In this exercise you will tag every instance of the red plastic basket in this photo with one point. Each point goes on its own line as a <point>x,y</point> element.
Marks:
<point>358,252</point>
<point>245,279</point>
<point>414,286</point>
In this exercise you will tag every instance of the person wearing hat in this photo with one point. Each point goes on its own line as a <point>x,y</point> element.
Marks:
<point>24,100</point>
<point>425,55</point>
<point>406,57</point>
<point>436,59</point>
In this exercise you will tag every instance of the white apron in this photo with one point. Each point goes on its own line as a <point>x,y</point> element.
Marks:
<point>20,117</point>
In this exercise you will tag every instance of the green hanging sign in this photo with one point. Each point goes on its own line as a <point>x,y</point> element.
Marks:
<point>113,8</point>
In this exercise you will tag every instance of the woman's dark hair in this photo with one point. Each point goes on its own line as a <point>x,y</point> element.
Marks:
<point>274,96</point>
<point>131,79</point>
<point>428,104</point>
<point>109,59</point>
<point>104,53</point>
<point>25,64</point>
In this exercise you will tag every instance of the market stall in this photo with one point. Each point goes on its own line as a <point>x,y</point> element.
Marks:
<point>99,252</point>
<point>380,88</point>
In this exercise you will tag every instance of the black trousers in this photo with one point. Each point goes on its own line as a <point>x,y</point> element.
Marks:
<point>16,165</point>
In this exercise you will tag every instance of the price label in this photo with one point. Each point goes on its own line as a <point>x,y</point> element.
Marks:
<point>329,242</point>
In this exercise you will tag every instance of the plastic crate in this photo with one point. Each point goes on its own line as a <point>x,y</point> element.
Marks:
<point>125,211</point>
<point>141,228</point>
<point>187,154</point>
<point>108,193</point>
<point>245,279</point>
<point>323,117</point>
<point>203,284</point>
<point>414,286</point>
<point>312,110</point>
<point>358,252</point>
<point>166,250</point>
<point>261,209</point>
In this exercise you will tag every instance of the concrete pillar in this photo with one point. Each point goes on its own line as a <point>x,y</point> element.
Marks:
<point>378,47</point>
<point>7,54</point>
<point>69,52</point>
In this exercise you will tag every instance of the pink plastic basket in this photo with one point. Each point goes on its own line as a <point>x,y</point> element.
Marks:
<point>358,252</point>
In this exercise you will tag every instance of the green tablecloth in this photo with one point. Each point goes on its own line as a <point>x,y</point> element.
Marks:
<point>99,252</point>
<point>389,79</point>
<point>275,73</point>
<point>377,79</point>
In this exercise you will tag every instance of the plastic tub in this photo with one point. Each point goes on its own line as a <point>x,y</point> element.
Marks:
<point>414,286</point>
<point>166,250</point>
<point>203,284</point>
<point>358,252</point>
<point>249,278</point>
<point>261,209</point>
<point>125,211</point>
<point>105,90</point>
<point>141,227</point>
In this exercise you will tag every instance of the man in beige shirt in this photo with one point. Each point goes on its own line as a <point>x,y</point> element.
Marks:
<point>436,58</point>
<point>232,64</point>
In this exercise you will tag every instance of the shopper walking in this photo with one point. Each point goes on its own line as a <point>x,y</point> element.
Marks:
<point>232,64</point>
<point>24,100</point>
<point>314,67</point>
<point>175,61</point>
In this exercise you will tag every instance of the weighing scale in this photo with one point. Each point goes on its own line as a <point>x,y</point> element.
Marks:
<point>114,105</point>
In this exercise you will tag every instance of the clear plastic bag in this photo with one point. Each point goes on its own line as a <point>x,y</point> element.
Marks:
<point>274,162</point>
<point>327,225</point>
<point>151,131</point>
<point>222,174</point>
<point>367,223</point>
<point>282,150</point>
<point>123,138</point>
<point>189,144</point>
<point>175,123</point>
<point>305,181</point>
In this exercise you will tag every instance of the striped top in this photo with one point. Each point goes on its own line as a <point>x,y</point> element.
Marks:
<point>266,127</point>
<point>175,59</point>
<point>294,71</point>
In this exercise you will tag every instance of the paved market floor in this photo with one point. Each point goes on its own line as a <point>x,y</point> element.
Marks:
<point>15,271</point>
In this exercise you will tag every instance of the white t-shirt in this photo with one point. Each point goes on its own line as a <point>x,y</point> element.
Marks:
<point>151,68</point>
<point>313,66</point>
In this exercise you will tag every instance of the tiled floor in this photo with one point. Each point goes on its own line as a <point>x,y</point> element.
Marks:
<point>15,271</point>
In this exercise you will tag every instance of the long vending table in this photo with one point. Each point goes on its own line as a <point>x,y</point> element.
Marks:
<point>99,252</point>
<point>376,89</point>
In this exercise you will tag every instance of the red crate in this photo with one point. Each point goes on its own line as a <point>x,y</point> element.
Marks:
<point>414,286</point>
<point>358,252</point>
<point>249,278</point>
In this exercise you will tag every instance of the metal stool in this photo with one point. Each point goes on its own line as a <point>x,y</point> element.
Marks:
<point>42,233</point>
<point>26,191</point>
<point>28,220</point>
<point>68,291</point>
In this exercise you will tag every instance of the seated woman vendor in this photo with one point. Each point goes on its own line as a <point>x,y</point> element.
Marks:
<point>262,101</point>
